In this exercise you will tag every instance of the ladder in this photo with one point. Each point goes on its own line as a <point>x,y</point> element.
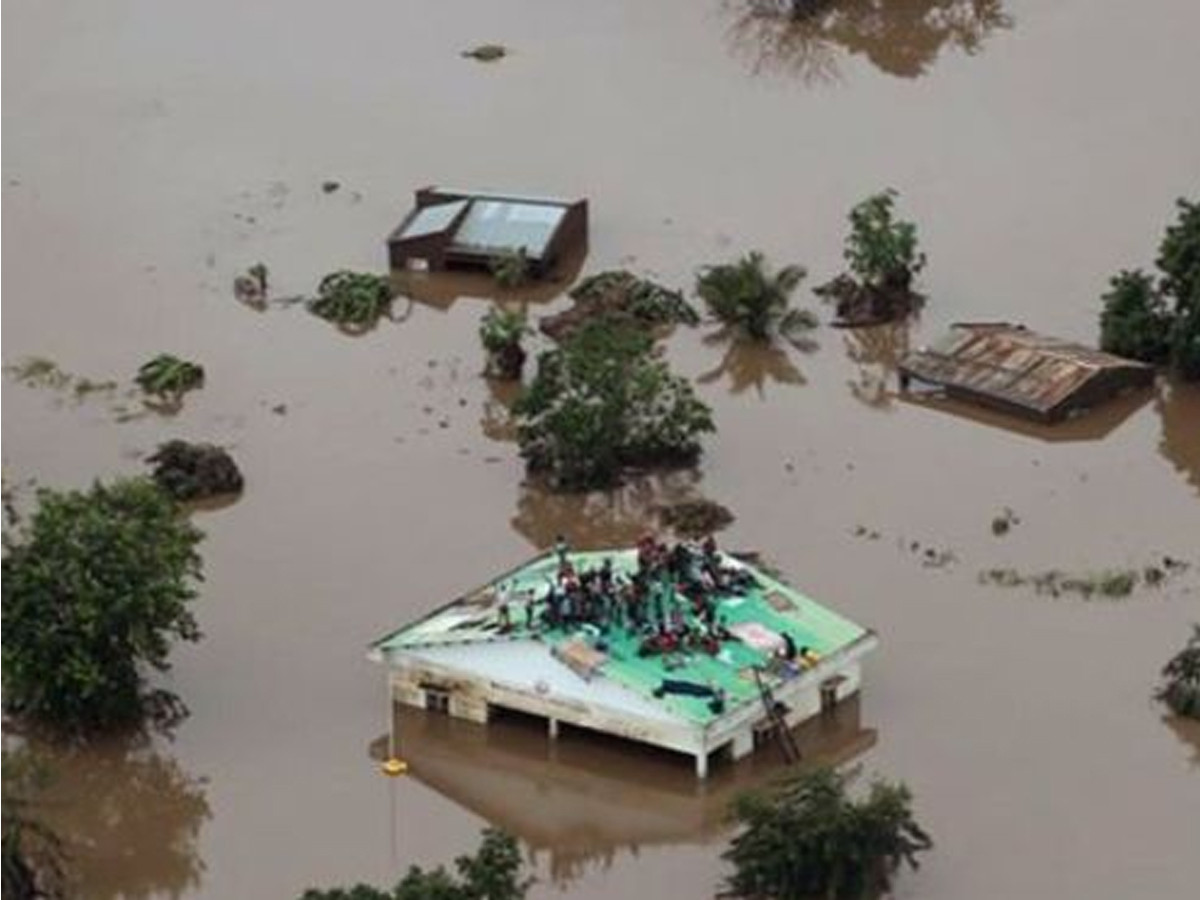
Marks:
<point>791,751</point>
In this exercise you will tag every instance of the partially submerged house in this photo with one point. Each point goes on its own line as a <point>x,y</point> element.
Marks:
<point>451,228</point>
<point>493,650</point>
<point>1010,368</point>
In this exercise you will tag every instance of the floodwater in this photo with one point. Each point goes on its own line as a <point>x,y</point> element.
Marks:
<point>153,151</point>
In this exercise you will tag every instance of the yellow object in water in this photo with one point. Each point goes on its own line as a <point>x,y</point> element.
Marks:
<point>394,766</point>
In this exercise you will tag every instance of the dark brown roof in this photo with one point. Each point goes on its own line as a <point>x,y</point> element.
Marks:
<point>1013,366</point>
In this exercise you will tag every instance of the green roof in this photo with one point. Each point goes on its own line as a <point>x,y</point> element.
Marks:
<point>771,604</point>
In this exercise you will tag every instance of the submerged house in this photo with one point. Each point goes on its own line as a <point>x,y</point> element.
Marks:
<point>1010,368</point>
<point>451,228</point>
<point>500,648</point>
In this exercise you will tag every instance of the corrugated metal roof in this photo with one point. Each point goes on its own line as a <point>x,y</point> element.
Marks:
<point>433,219</point>
<point>1012,364</point>
<point>499,225</point>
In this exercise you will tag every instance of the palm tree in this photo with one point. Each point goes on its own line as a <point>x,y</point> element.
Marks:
<point>747,296</point>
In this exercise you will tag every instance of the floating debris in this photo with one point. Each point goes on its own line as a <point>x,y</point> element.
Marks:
<point>1003,523</point>
<point>328,187</point>
<point>169,377</point>
<point>486,53</point>
<point>251,287</point>
<point>41,372</point>
<point>695,518</point>
<point>1109,583</point>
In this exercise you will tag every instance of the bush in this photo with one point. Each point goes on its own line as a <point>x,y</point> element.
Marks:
<point>353,300</point>
<point>746,296</point>
<point>95,588</point>
<point>882,250</point>
<point>512,268</point>
<point>501,332</point>
<point>169,376</point>
<point>195,471</point>
<point>495,872</point>
<point>603,402</point>
<point>1135,322</point>
<point>809,839</point>
<point>619,294</point>
<point>1180,688</point>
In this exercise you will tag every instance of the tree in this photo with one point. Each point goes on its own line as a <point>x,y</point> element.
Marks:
<point>96,587</point>
<point>1135,321</point>
<point>1180,688</point>
<point>809,839</point>
<point>500,332</point>
<point>1159,323</point>
<point>746,296</point>
<point>884,258</point>
<point>512,268</point>
<point>494,872</point>
<point>601,402</point>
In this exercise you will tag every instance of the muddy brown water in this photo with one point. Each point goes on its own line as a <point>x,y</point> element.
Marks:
<point>153,151</point>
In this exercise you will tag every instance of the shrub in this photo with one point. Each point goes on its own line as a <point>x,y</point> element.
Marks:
<point>353,300</point>
<point>1135,321</point>
<point>169,376</point>
<point>195,471</point>
<point>501,332</point>
<point>746,296</point>
<point>882,250</point>
<point>810,839</point>
<point>494,872</point>
<point>512,268</point>
<point>96,587</point>
<point>1180,688</point>
<point>603,402</point>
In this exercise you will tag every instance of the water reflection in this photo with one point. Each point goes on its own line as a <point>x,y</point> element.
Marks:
<point>1178,406</point>
<point>580,801</point>
<point>497,421</point>
<point>753,364</point>
<point>600,518</point>
<point>876,350</point>
<point>1188,731</point>
<point>808,38</point>
<point>129,818</point>
<point>441,290</point>
<point>1091,425</point>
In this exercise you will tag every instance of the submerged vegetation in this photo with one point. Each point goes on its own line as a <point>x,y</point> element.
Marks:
<point>512,268</point>
<point>494,872</point>
<point>603,402</point>
<point>695,518</point>
<point>809,838</point>
<point>33,853</point>
<point>750,298</point>
<point>618,294</point>
<point>195,471</point>
<point>170,377</point>
<point>501,332</point>
<point>884,258</point>
<point>1158,321</point>
<point>1109,583</point>
<point>1180,687</point>
<point>355,301</point>
<point>97,584</point>
<point>486,52</point>
<point>40,372</point>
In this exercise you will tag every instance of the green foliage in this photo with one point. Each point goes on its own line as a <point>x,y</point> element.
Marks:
<point>39,372</point>
<point>32,853</point>
<point>1135,322</point>
<point>602,402</point>
<point>810,839</point>
<point>646,301</point>
<point>353,300</point>
<point>96,586</point>
<point>882,250</point>
<point>169,376</point>
<point>1160,323</point>
<point>1180,688</point>
<point>746,296</point>
<point>512,268</point>
<point>486,52</point>
<point>494,872</point>
<point>501,328</point>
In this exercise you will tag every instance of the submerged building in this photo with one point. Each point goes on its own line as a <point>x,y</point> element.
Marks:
<point>1010,368</point>
<point>469,229</point>
<point>702,676</point>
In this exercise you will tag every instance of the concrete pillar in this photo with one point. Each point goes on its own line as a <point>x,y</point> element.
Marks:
<point>552,728</point>
<point>743,744</point>
<point>702,765</point>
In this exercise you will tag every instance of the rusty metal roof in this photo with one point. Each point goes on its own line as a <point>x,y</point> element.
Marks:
<point>1014,365</point>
